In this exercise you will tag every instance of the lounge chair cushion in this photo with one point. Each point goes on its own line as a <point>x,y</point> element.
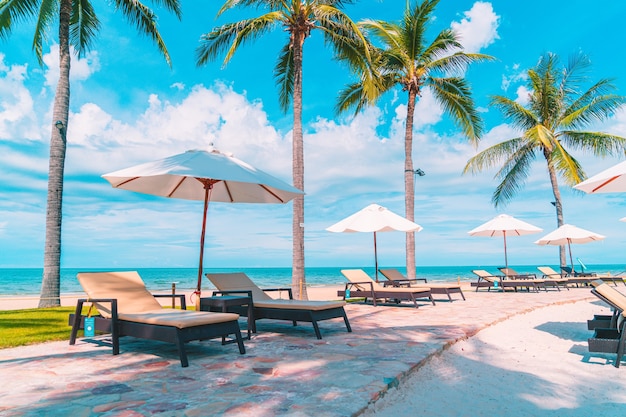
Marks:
<point>178,318</point>
<point>238,281</point>
<point>300,305</point>
<point>127,287</point>
<point>615,297</point>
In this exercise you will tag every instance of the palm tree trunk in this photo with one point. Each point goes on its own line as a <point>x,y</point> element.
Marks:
<point>409,188</point>
<point>298,277</point>
<point>559,209</point>
<point>51,282</point>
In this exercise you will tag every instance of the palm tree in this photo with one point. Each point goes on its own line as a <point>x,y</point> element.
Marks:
<point>78,26</point>
<point>297,18</point>
<point>407,60</point>
<point>550,124</point>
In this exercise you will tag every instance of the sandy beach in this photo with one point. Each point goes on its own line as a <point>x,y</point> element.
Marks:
<point>492,355</point>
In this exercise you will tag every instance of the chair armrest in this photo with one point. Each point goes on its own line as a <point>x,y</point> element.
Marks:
<point>279,289</point>
<point>114,319</point>
<point>401,282</point>
<point>233,292</point>
<point>181,297</point>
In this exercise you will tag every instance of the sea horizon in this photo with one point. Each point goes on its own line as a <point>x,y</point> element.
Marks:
<point>27,281</point>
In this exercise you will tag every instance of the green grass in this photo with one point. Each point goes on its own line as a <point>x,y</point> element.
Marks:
<point>36,325</point>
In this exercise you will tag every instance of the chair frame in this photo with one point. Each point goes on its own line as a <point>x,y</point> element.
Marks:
<point>119,328</point>
<point>291,314</point>
<point>613,326</point>
<point>504,283</point>
<point>411,294</point>
<point>405,282</point>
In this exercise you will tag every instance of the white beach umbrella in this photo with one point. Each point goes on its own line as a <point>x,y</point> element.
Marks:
<point>374,218</point>
<point>206,176</point>
<point>611,180</point>
<point>504,225</point>
<point>568,234</point>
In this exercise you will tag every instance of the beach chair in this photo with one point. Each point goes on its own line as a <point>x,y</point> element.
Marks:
<point>612,338</point>
<point>266,307</point>
<point>553,278</point>
<point>586,278</point>
<point>126,308</point>
<point>361,285</point>
<point>510,273</point>
<point>396,279</point>
<point>485,279</point>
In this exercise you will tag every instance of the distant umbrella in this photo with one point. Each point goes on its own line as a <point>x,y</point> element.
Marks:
<point>504,225</point>
<point>374,218</point>
<point>203,175</point>
<point>611,180</point>
<point>568,234</point>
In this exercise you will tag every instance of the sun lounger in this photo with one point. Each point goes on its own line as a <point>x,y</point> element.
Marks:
<point>510,273</point>
<point>553,278</point>
<point>610,339</point>
<point>485,279</point>
<point>396,279</point>
<point>360,285</point>
<point>585,278</point>
<point>126,308</point>
<point>266,307</point>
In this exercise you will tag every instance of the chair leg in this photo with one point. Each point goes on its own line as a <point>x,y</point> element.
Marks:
<point>242,348</point>
<point>77,320</point>
<point>345,320</point>
<point>316,328</point>
<point>182,352</point>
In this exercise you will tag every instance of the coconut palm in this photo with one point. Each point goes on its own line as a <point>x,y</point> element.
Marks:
<point>297,18</point>
<point>78,26</point>
<point>407,60</point>
<point>550,125</point>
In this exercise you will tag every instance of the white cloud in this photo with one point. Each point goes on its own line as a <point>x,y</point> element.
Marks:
<point>99,143</point>
<point>479,27</point>
<point>515,75</point>
<point>17,114</point>
<point>523,95</point>
<point>82,68</point>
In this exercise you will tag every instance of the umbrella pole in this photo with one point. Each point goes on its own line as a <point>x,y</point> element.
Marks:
<point>506,259</point>
<point>375,257</point>
<point>207,192</point>
<point>571,261</point>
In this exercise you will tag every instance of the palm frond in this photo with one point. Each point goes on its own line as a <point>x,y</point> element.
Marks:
<point>542,137</point>
<point>513,174</point>
<point>493,155</point>
<point>284,75</point>
<point>444,44</point>
<point>145,21</point>
<point>597,143</point>
<point>454,95</point>
<point>458,61</point>
<point>84,25</point>
<point>48,12</point>
<point>415,24</point>
<point>230,36</point>
<point>351,97</point>
<point>521,117</point>
<point>567,166</point>
<point>16,11</point>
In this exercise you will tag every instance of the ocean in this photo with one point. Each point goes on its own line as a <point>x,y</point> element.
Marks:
<point>27,281</point>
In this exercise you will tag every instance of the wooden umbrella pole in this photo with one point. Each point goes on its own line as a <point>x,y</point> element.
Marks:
<point>208,186</point>
<point>506,259</point>
<point>375,257</point>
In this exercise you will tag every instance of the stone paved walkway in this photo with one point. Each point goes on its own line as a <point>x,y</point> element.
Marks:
<point>286,370</point>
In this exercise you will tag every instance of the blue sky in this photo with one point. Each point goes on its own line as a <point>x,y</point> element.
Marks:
<point>129,107</point>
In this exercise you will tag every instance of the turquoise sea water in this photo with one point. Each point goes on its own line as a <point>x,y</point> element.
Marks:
<point>27,281</point>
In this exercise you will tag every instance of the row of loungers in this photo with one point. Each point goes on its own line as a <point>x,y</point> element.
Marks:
<point>609,330</point>
<point>126,308</point>
<point>510,279</point>
<point>396,287</point>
